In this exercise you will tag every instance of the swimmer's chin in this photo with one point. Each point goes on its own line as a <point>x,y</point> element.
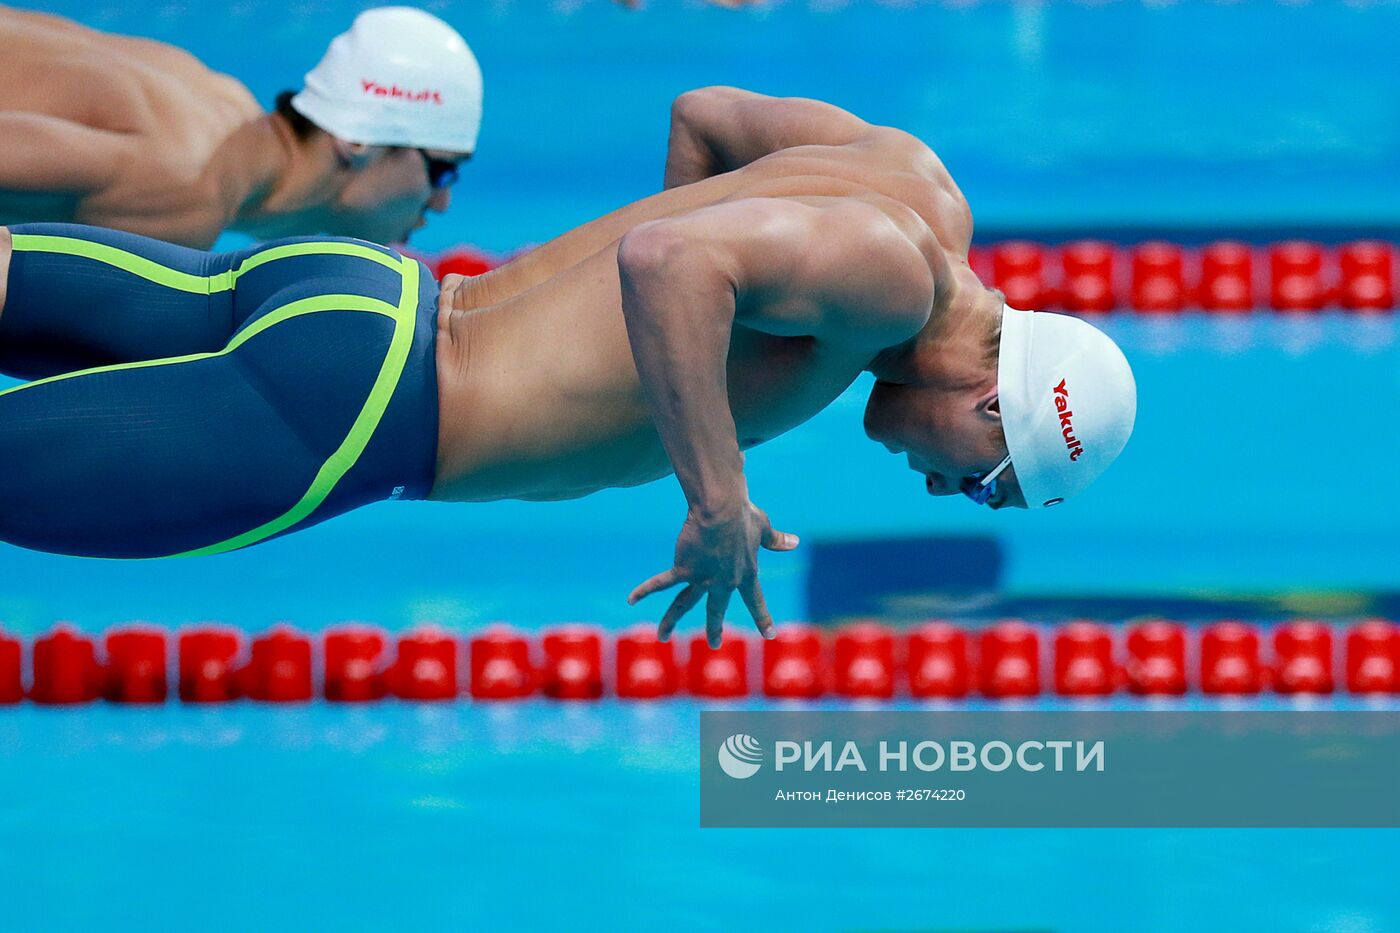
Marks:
<point>412,229</point>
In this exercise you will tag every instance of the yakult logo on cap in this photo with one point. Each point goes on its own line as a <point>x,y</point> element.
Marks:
<point>375,89</point>
<point>1066,424</point>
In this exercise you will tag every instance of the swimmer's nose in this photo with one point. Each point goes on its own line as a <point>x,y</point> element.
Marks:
<point>440,200</point>
<point>938,485</point>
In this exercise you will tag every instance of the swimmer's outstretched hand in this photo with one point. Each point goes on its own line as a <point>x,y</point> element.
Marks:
<point>714,557</point>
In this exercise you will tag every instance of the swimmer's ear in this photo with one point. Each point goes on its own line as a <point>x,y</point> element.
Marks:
<point>989,406</point>
<point>352,155</point>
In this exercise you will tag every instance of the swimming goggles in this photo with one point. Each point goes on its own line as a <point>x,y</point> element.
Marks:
<point>442,173</point>
<point>981,486</point>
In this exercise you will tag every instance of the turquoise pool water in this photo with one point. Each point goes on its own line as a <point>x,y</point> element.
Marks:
<point>1191,117</point>
<point>579,817</point>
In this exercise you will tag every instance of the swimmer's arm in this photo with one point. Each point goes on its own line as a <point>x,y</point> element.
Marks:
<point>42,154</point>
<point>718,129</point>
<point>844,272</point>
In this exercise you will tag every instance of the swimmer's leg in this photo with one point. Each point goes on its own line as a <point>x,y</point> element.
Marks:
<point>73,297</point>
<point>312,409</point>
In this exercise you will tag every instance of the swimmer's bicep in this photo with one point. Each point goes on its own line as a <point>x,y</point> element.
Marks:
<point>41,153</point>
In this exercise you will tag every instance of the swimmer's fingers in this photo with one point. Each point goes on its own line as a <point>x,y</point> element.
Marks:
<point>684,602</point>
<point>769,537</point>
<point>752,594</point>
<point>714,615</point>
<point>662,581</point>
<point>774,540</point>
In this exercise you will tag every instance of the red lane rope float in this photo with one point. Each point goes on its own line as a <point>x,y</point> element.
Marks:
<point>208,664</point>
<point>136,666</point>
<point>500,665</point>
<point>864,663</point>
<point>718,673</point>
<point>1158,282</point>
<point>1367,271</point>
<point>1156,659</point>
<point>354,665</point>
<point>1373,657</point>
<point>646,668</point>
<point>426,666</point>
<point>1227,277</point>
<point>794,664</point>
<point>1096,277</point>
<point>1084,660</point>
<point>1303,657</point>
<point>279,669</point>
<point>573,663</point>
<point>1009,664</point>
<point>1088,278</point>
<point>861,661</point>
<point>938,662</point>
<point>1230,660</point>
<point>65,668</point>
<point>11,670</point>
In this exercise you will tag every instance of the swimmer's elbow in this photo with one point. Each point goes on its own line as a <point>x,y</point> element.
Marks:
<point>691,105</point>
<point>685,108</point>
<point>649,248</point>
<point>695,113</point>
<point>902,142</point>
<point>664,267</point>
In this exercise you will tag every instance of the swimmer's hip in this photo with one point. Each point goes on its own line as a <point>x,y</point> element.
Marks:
<point>222,399</point>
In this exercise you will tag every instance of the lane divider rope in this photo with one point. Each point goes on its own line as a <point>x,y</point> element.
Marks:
<point>937,659</point>
<point>1154,277</point>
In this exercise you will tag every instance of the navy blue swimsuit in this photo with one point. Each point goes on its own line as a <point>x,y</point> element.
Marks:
<point>186,402</point>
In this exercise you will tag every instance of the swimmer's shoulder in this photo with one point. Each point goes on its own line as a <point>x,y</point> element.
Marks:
<point>923,183</point>
<point>176,79</point>
<point>146,84</point>
<point>894,164</point>
<point>56,35</point>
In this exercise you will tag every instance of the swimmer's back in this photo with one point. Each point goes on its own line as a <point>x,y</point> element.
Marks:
<point>890,166</point>
<point>541,394</point>
<point>139,81</point>
<point>128,147</point>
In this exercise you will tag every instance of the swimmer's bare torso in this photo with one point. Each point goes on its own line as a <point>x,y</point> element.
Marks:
<point>117,132</point>
<point>541,395</point>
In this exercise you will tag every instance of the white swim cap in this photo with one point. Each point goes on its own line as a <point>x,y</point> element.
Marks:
<point>398,77</point>
<point>1068,401</point>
